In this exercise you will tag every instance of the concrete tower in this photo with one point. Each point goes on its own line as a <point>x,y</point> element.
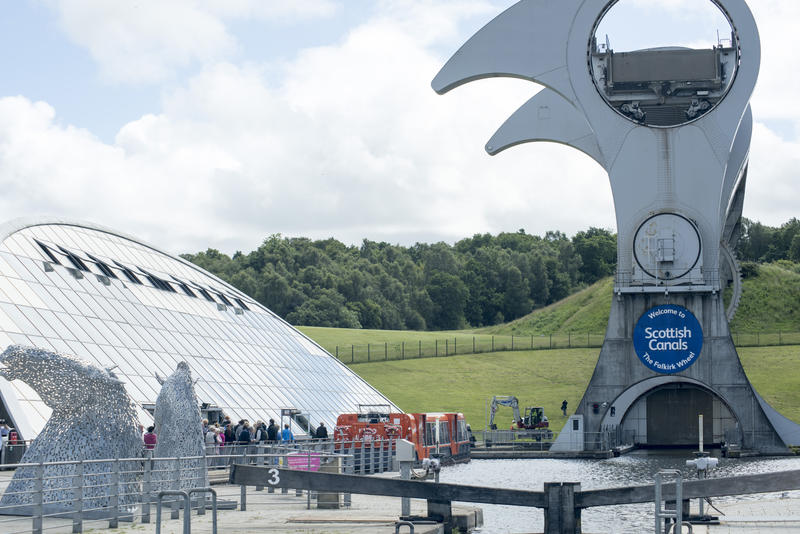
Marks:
<point>672,128</point>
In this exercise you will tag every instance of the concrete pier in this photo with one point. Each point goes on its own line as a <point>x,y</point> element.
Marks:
<point>268,512</point>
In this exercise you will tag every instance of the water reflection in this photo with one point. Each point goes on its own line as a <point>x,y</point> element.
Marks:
<point>639,467</point>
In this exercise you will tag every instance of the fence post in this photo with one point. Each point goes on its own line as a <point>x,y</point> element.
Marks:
<point>147,485</point>
<point>77,498</point>
<point>114,500</point>
<point>38,498</point>
<point>352,353</point>
<point>420,349</point>
<point>473,345</point>
<point>492,343</point>
<point>436,351</point>
<point>337,352</point>
<point>385,350</point>
<point>447,347</point>
<point>285,461</point>
<point>455,345</point>
<point>402,350</point>
<point>561,514</point>
<point>569,339</point>
<point>368,352</point>
<point>259,462</point>
<point>349,460</point>
<point>758,339</point>
<point>176,485</point>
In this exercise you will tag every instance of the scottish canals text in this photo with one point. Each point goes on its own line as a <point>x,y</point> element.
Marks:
<point>667,338</point>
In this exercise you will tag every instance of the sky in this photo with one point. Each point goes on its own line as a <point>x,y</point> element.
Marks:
<point>196,124</point>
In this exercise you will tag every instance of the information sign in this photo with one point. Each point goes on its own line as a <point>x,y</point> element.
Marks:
<point>668,338</point>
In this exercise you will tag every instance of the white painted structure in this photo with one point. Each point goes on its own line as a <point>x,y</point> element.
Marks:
<point>672,128</point>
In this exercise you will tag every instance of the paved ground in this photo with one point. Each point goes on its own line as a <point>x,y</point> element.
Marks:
<point>287,513</point>
<point>276,512</point>
<point>770,515</point>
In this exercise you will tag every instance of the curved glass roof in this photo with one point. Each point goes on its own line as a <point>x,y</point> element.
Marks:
<point>112,300</point>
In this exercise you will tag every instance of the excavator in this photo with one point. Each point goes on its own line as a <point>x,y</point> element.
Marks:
<point>534,418</point>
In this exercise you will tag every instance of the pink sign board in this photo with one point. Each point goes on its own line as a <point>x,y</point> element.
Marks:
<point>304,462</point>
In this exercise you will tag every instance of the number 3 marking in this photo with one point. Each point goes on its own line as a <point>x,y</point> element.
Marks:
<point>276,479</point>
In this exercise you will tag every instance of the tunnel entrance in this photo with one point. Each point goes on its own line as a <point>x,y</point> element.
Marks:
<point>672,416</point>
<point>667,417</point>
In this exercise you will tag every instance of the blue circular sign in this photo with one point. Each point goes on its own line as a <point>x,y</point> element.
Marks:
<point>668,339</point>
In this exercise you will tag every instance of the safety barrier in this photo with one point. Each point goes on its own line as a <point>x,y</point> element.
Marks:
<point>109,491</point>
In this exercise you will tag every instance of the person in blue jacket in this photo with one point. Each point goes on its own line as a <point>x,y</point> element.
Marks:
<point>286,434</point>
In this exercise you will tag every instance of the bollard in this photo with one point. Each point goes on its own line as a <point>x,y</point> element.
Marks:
<point>561,515</point>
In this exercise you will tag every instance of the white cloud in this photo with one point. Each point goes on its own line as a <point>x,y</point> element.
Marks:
<point>772,183</point>
<point>350,142</point>
<point>147,41</point>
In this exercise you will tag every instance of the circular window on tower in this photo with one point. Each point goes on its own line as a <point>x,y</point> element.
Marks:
<point>667,246</point>
<point>663,64</point>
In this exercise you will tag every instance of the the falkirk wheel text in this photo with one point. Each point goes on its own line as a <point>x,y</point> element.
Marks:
<point>671,126</point>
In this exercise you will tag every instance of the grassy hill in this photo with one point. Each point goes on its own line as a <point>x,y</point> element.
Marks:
<point>584,311</point>
<point>770,303</point>
<point>770,300</point>
<point>545,378</point>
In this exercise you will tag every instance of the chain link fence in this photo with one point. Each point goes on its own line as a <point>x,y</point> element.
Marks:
<point>465,344</point>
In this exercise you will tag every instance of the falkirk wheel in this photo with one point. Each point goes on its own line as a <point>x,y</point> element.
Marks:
<point>672,127</point>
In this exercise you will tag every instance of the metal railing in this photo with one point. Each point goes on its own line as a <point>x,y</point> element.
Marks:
<point>361,457</point>
<point>463,345</point>
<point>109,491</point>
<point>543,439</point>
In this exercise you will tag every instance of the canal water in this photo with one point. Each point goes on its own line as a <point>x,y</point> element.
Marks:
<point>636,468</point>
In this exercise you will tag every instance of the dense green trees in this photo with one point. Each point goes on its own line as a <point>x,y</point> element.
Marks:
<point>482,280</point>
<point>761,243</point>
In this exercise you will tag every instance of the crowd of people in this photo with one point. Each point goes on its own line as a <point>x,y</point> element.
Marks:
<point>217,435</point>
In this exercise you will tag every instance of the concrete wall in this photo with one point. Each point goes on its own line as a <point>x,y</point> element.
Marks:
<point>717,369</point>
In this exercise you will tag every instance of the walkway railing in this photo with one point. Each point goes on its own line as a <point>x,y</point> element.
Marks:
<point>100,493</point>
<point>361,457</point>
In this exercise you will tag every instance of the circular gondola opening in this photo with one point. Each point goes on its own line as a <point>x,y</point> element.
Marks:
<point>663,65</point>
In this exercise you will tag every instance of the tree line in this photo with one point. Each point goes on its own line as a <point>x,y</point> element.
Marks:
<point>765,244</point>
<point>482,280</point>
<point>479,281</point>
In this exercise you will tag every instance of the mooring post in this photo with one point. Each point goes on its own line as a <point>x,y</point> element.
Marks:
<point>561,515</point>
<point>441,511</point>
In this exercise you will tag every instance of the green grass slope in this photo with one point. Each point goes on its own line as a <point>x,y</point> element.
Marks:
<point>770,301</point>
<point>545,378</point>
<point>584,311</point>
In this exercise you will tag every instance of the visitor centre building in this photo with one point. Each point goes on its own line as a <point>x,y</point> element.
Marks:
<point>116,302</point>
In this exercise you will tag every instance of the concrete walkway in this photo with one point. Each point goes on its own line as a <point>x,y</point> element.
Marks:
<point>266,512</point>
<point>770,515</point>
